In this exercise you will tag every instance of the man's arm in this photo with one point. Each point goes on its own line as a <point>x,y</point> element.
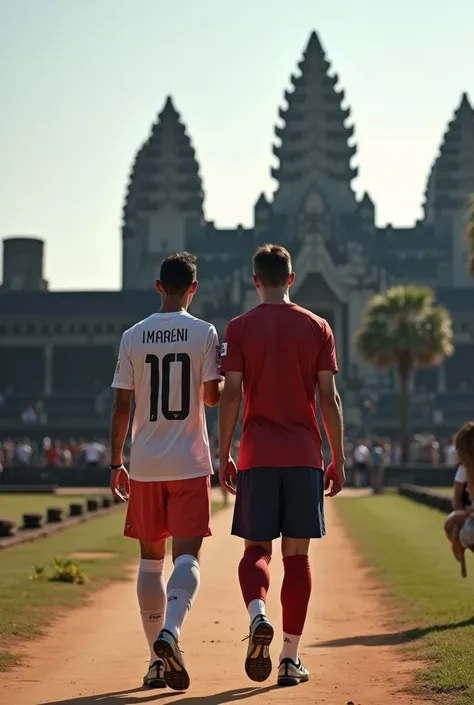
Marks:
<point>119,423</point>
<point>331,411</point>
<point>210,372</point>
<point>212,392</point>
<point>229,412</point>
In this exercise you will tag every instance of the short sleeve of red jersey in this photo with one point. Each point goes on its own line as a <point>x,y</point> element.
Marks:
<point>123,377</point>
<point>327,358</point>
<point>232,359</point>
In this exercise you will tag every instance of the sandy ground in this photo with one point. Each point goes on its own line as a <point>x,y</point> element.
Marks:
<point>97,654</point>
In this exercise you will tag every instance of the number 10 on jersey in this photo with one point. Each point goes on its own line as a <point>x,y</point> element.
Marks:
<point>160,381</point>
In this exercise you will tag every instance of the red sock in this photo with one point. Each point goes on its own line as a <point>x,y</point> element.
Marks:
<point>254,575</point>
<point>295,593</point>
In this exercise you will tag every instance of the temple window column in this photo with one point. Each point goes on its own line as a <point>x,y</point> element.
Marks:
<point>48,370</point>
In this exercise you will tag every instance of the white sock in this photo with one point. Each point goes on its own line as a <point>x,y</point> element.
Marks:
<point>290,647</point>
<point>151,594</point>
<point>256,608</point>
<point>182,588</point>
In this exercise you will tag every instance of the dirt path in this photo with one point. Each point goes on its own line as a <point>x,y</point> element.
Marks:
<point>97,654</point>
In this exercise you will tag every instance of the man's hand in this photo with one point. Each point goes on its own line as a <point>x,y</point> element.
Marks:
<point>228,475</point>
<point>119,480</point>
<point>334,478</point>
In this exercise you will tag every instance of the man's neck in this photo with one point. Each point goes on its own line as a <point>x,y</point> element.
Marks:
<point>172,305</point>
<point>275,296</point>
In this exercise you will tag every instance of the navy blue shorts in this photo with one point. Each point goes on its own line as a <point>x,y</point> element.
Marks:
<point>273,502</point>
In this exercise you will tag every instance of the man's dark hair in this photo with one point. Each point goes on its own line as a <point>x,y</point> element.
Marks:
<point>177,273</point>
<point>272,265</point>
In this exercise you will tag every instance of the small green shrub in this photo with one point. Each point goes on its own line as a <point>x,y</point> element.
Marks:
<point>64,570</point>
<point>38,572</point>
<point>67,571</point>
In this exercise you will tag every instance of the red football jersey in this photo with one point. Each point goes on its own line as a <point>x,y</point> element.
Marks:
<point>279,348</point>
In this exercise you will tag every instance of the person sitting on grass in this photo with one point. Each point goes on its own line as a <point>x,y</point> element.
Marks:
<point>459,525</point>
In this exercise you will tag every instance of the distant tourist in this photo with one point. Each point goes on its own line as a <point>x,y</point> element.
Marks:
<point>450,454</point>
<point>29,415</point>
<point>94,454</point>
<point>361,458</point>
<point>24,451</point>
<point>377,467</point>
<point>459,526</point>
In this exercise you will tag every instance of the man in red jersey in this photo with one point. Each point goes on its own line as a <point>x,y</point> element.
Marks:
<point>280,353</point>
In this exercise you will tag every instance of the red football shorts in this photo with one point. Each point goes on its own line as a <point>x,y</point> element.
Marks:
<point>179,508</point>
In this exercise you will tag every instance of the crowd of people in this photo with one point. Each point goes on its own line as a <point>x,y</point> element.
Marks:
<point>25,452</point>
<point>367,458</point>
<point>362,456</point>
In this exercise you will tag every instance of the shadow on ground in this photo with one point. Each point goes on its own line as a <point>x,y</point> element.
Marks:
<point>137,696</point>
<point>395,638</point>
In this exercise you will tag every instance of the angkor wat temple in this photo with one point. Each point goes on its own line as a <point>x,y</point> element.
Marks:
<point>61,346</point>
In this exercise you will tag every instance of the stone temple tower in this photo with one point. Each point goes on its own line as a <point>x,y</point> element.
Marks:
<point>450,182</point>
<point>452,176</point>
<point>164,202</point>
<point>314,150</point>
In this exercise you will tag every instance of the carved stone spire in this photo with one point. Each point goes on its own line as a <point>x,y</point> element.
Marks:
<point>314,145</point>
<point>451,179</point>
<point>164,200</point>
<point>165,170</point>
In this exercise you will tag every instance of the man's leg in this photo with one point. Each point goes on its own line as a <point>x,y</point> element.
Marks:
<point>254,576</point>
<point>188,508</point>
<point>295,594</point>
<point>151,593</point>
<point>183,583</point>
<point>303,519</point>
<point>146,521</point>
<point>256,520</point>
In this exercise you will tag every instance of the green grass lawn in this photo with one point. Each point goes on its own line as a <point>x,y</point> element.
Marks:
<point>28,606</point>
<point>13,506</point>
<point>405,545</point>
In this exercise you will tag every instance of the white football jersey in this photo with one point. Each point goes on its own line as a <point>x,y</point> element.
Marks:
<point>165,360</point>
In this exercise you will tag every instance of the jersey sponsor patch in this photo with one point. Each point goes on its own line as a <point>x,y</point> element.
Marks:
<point>117,367</point>
<point>223,349</point>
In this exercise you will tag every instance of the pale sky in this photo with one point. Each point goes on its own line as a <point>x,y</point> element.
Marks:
<point>81,82</point>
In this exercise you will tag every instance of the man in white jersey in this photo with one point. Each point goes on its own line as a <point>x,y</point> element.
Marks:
<point>170,362</point>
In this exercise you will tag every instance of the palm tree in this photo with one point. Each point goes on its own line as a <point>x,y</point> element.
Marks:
<point>402,328</point>
<point>470,234</point>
